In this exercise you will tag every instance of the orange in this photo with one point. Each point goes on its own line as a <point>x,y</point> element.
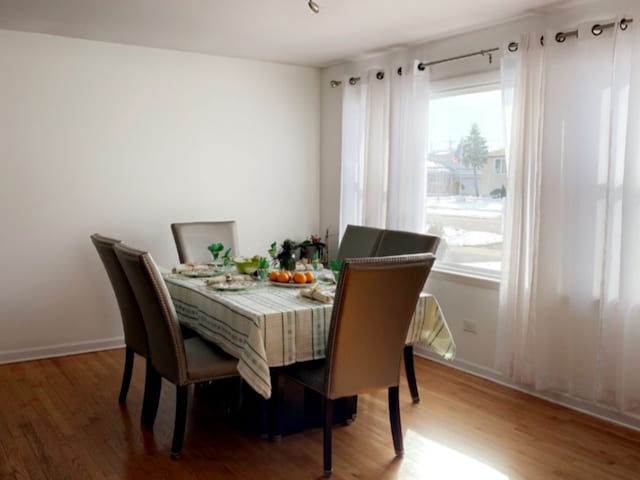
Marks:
<point>273,276</point>
<point>284,277</point>
<point>299,277</point>
<point>309,276</point>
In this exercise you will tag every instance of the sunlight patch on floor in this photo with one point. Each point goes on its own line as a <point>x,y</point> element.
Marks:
<point>425,458</point>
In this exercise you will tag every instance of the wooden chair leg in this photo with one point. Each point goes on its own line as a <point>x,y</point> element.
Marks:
<point>328,425</point>
<point>182,399</point>
<point>411,373</point>
<point>126,375</point>
<point>152,387</point>
<point>394,419</point>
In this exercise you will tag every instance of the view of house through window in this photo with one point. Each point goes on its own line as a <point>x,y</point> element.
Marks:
<point>466,179</point>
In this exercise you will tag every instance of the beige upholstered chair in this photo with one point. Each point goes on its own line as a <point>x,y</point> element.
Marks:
<point>359,241</point>
<point>181,361</point>
<point>193,238</point>
<point>374,303</point>
<point>396,242</point>
<point>135,337</point>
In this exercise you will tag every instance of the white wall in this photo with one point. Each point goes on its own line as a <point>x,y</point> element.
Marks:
<point>459,298</point>
<point>121,140</point>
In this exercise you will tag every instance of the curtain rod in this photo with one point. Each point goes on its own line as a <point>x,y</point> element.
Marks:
<point>596,30</point>
<point>421,65</point>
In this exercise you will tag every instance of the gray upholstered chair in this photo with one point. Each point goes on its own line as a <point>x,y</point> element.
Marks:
<point>193,238</point>
<point>396,242</point>
<point>135,336</point>
<point>181,361</point>
<point>374,303</point>
<point>359,241</point>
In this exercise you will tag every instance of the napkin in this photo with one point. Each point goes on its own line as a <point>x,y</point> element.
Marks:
<point>227,279</point>
<point>188,267</point>
<point>316,294</point>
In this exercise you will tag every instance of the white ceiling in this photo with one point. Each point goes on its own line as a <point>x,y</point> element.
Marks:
<point>284,31</point>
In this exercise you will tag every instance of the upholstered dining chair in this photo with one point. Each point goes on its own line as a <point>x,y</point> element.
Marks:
<point>397,242</point>
<point>359,241</point>
<point>135,336</point>
<point>193,238</point>
<point>181,361</point>
<point>373,307</point>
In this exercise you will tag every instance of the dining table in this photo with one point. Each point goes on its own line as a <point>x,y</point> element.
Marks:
<point>265,324</point>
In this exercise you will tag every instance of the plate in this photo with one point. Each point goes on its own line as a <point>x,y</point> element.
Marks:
<point>293,284</point>
<point>231,287</point>
<point>198,273</point>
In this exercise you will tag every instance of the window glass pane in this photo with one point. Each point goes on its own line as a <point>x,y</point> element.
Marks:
<point>466,179</point>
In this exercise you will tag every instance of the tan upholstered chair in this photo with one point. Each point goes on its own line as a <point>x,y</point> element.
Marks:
<point>181,361</point>
<point>359,241</point>
<point>374,303</point>
<point>193,238</point>
<point>396,242</point>
<point>135,336</point>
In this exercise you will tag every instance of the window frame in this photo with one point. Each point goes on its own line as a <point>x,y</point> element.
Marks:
<point>449,87</point>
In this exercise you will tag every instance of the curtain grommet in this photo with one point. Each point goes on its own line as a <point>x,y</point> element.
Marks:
<point>560,37</point>
<point>597,29</point>
<point>512,47</point>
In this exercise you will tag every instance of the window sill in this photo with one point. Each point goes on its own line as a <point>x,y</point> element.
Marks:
<point>466,278</point>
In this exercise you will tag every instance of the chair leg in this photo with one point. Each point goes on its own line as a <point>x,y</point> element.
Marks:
<point>394,419</point>
<point>152,387</point>
<point>328,425</point>
<point>411,373</point>
<point>126,375</point>
<point>182,399</point>
<point>272,406</point>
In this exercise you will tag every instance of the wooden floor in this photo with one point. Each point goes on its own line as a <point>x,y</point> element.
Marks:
<point>60,419</point>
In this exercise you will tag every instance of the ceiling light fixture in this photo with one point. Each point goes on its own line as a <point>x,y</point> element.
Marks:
<point>314,6</point>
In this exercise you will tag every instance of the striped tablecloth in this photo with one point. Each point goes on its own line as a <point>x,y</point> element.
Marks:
<point>269,326</point>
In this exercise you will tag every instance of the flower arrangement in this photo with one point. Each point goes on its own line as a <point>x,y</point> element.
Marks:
<point>287,256</point>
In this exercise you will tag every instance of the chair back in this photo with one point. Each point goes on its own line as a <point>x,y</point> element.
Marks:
<point>135,336</point>
<point>193,238</point>
<point>166,345</point>
<point>395,242</point>
<point>359,241</point>
<point>374,304</point>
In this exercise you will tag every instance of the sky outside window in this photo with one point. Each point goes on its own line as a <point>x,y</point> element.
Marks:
<point>451,119</point>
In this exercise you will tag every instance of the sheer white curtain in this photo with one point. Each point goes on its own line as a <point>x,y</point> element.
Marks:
<point>384,148</point>
<point>570,295</point>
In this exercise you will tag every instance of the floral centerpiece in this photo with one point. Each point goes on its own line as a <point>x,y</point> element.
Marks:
<point>287,255</point>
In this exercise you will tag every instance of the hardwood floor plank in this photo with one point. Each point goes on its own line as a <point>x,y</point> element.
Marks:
<point>60,418</point>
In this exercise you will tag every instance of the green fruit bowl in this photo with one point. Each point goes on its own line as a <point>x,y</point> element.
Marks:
<point>246,265</point>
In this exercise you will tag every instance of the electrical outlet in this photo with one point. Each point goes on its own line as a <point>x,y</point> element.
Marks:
<point>469,325</point>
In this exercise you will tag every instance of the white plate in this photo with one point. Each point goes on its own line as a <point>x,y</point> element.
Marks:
<point>198,273</point>
<point>293,284</point>
<point>232,287</point>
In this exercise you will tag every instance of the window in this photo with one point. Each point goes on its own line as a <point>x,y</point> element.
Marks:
<point>466,178</point>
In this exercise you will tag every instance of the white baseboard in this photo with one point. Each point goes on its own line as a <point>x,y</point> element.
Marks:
<point>64,349</point>
<point>604,413</point>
